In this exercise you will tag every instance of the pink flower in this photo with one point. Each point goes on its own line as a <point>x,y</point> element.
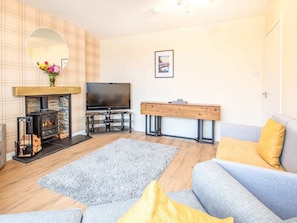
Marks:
<point>50,69</point>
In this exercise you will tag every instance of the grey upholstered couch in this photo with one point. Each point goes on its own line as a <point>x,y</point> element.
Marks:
<point>2,145</point>
<point>216,189</point>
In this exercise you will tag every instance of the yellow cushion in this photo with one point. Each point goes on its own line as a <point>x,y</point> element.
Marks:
<point>155,206</point>
<point>271,142</point>
<point>241,151</point>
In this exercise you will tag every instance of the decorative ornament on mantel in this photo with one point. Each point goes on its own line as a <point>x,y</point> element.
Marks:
<point>52,71</point>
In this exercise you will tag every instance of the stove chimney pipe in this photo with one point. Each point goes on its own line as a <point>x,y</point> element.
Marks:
<point>44,103</point>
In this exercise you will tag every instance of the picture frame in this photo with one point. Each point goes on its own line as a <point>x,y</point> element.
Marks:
<point>164,64</point>
<point>64,62</point>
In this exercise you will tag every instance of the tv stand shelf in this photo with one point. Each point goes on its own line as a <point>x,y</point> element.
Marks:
<point>108,121</point>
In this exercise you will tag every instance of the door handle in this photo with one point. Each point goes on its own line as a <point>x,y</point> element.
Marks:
<point>265,94</point>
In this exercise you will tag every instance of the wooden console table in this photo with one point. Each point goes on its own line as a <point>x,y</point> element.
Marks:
<point>200,112</point>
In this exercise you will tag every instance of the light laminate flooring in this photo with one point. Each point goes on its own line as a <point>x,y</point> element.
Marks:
<point>19,191</point>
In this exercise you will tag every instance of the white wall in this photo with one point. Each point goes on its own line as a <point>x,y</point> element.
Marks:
<point>213,64</point>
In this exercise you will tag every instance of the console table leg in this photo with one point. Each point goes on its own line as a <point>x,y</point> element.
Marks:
<point>159,125</point>
<point>88,126</point>
<point>213,131</point>
<point>200,132</point>
<point>156,125</point>
<point>130,123</point>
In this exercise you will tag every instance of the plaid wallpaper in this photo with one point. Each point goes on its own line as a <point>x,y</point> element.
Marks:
<point>92,59</point>
<point>17,22</point>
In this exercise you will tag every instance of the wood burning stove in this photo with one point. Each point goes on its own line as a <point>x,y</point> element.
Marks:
<point>45,122</point>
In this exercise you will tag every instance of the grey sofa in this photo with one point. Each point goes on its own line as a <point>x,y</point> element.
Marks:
<point>215,190</point>
<point>2,145</point>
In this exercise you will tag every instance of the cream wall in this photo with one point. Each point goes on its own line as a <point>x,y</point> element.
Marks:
<point>215,64</point>
<point>17,22</point>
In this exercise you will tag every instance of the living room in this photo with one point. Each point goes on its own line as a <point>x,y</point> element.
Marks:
<point>220,63</point>
<point>215,48</point>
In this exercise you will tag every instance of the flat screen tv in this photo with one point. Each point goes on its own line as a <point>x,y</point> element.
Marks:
<point>107,96</point>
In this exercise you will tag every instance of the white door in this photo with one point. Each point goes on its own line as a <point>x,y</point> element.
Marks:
<point>272,72</point>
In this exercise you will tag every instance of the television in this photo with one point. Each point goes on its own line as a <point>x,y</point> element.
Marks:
<point>107,96</point>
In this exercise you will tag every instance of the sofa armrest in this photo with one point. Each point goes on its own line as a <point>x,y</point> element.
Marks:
<point>291,220</point>
<point>275,189</point>
<point>242,132</point>
<point>222,196</point>
<point>52,216</point>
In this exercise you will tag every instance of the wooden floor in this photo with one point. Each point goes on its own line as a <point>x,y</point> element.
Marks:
<point>19,191</point>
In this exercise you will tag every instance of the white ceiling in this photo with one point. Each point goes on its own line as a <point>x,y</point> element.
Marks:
<point>114,18</point>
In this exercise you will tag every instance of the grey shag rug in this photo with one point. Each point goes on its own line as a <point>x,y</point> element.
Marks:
<point>118,171</point>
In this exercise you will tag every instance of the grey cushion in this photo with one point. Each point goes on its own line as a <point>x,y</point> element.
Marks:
<point>222,196</point>
<point>281,118</point>
<point>288,157</point>
<point>2,145</point>
<point>59,216</point>
<point>291,220</point>
<point>241,132</point>
<point>107,213</point>
<point>275,189</point>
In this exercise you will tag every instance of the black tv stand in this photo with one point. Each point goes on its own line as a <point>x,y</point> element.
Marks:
<point>108,121</point>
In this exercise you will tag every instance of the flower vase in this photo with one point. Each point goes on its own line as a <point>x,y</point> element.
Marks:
<point>52,80</point>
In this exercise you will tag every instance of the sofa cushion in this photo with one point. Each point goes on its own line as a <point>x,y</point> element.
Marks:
<point>271,142</point>
<point>107,214</point>
<point>55,216</point>
<point>289,154</point>
<point>240,151</point>
<point>156,206</point>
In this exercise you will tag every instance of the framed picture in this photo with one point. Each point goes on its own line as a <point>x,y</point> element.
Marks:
<point>64,62</point>
<point>164,63</point>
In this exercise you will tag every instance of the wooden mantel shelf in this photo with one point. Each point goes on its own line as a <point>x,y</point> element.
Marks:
<point>33,91</point>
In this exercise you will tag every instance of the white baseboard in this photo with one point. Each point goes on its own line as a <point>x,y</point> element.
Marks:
<point>80,133</point>
<point>9,156</point>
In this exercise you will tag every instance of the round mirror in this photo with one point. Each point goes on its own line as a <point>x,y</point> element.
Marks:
<point>47,45</point>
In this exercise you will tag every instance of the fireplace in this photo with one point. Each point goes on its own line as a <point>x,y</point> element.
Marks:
<point>52,116</point>
<point>45,122</point>
<point>45,125</point>
<point>51,109</point>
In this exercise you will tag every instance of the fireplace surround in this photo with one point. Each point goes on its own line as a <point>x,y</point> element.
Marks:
<point>50,107</point>
<point>51,116</point>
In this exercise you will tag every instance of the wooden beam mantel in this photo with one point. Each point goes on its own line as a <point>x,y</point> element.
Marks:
<point>34,91</point>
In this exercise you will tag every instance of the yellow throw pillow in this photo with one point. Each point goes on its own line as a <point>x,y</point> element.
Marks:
<point>155,206</point>
<point>271,142</point>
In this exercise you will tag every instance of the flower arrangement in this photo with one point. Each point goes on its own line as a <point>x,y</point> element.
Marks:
<point>49,69</point>
<point>52,71</point>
